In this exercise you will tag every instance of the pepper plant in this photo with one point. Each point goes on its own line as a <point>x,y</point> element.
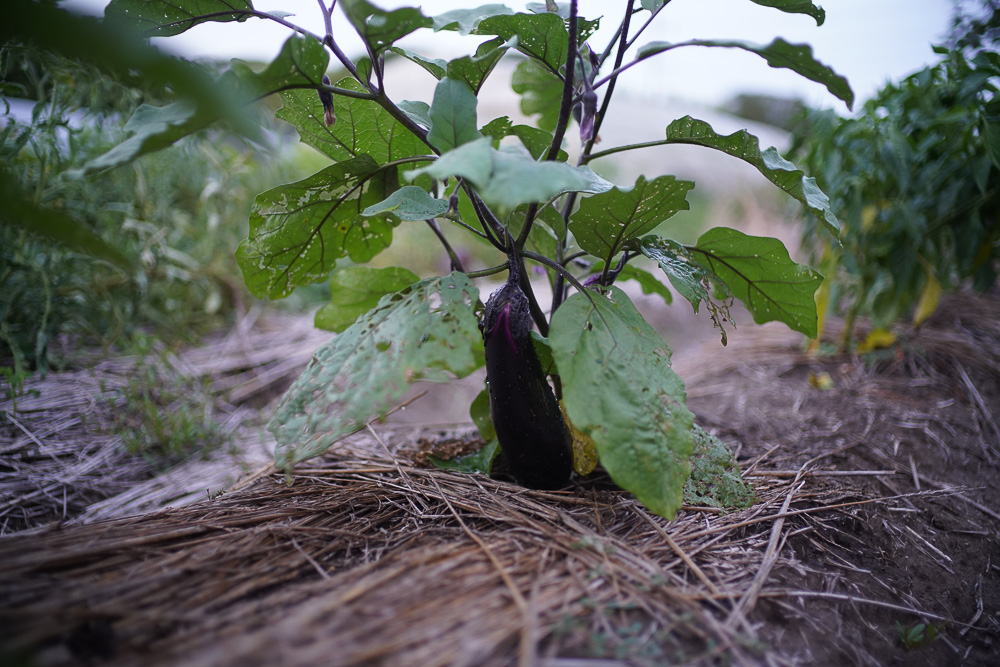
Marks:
<point>516,187</point>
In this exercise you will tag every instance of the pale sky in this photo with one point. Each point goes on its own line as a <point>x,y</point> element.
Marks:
<point>868,41</point>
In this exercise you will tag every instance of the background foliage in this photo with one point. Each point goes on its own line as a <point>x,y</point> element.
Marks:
<point>916,181</point>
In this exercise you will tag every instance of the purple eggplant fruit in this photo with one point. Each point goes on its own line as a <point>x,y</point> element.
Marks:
<point>526,415</point>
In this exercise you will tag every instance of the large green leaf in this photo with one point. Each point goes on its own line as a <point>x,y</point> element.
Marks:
<point>796,7</point>
<point>778,170</point>
<point>619,389</point>
<point>380,28</point>
<point>543,37</point>
<point>425,331</point>
<point>605,222</point>
<point>779,54</point>
<point>354,290</point>
<point>760,273</point>
<point>298,231</point>
<point>301,62</point>
<point>540,91</point>
<point>452,115</point>
<point>510,176</point>
<point>409,203</point>
<point>163,18</point>
<point>362,127</point>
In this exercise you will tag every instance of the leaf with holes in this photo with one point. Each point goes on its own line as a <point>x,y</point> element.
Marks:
<point>427,331</point>
<point>298,231</point>
<point>605,222</point>
<point>760,273</point>
<point>354,290</point>
<point>542,37</point>
<point>619,389</point>
<point>302,61</point>
<point>362,127</point>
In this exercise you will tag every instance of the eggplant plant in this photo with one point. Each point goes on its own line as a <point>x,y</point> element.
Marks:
<point>583,368</point>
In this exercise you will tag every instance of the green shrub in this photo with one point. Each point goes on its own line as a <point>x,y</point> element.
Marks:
<point>915,180</point>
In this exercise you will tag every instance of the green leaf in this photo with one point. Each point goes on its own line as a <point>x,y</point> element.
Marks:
<point>509,176</point>
<point>423,332</point>
<point>298,231</point>
<point>760,273</point>
<point>436,66</point>
<point>619,389</point>
<point>354,290</point>
<point>362,127</point>
<point>779,54</point>
<point>778,170</point>
<point>796,7</point>
<point>466,20</point>
<point>481,417</point>
<point>302,61</point>
<point>480,462</point>
<point>584,28</point>
<point>409,203</point>
<point>163,18</point>
<point>605,222</point>
<point>536,141</point>
<point>379,28</point>
<point>452,115</point>
<point>473,70</point>
<point>691,280</point>
<point>418,112</point>
<point>540,91</point>
<point>152,129</point>
<point>542,37</point>
<point>649,283</point>
<point>19,211</point>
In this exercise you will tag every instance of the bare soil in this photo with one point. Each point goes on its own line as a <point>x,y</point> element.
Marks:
<point>875,541</point>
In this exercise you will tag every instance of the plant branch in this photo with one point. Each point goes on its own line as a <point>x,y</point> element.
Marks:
<point>456,263</point>
<point>646,24</point>
<point>334,90</point>
<point>492,271</point>
<point>623,45</point>
<point>629,147</point>
<point>565,111</point>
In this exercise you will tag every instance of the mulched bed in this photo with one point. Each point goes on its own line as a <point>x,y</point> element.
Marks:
<point>877,511</point>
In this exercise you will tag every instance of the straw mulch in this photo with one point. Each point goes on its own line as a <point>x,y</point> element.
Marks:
<point>62,457</point>
<point>876,512</point>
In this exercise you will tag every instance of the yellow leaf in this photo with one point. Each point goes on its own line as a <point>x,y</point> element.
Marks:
<point>868,214</point>
<point>584,449</point>
<point>876,339</point>
<point>929,299</point>
<point>828,261</point>
<point>821,380</point>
